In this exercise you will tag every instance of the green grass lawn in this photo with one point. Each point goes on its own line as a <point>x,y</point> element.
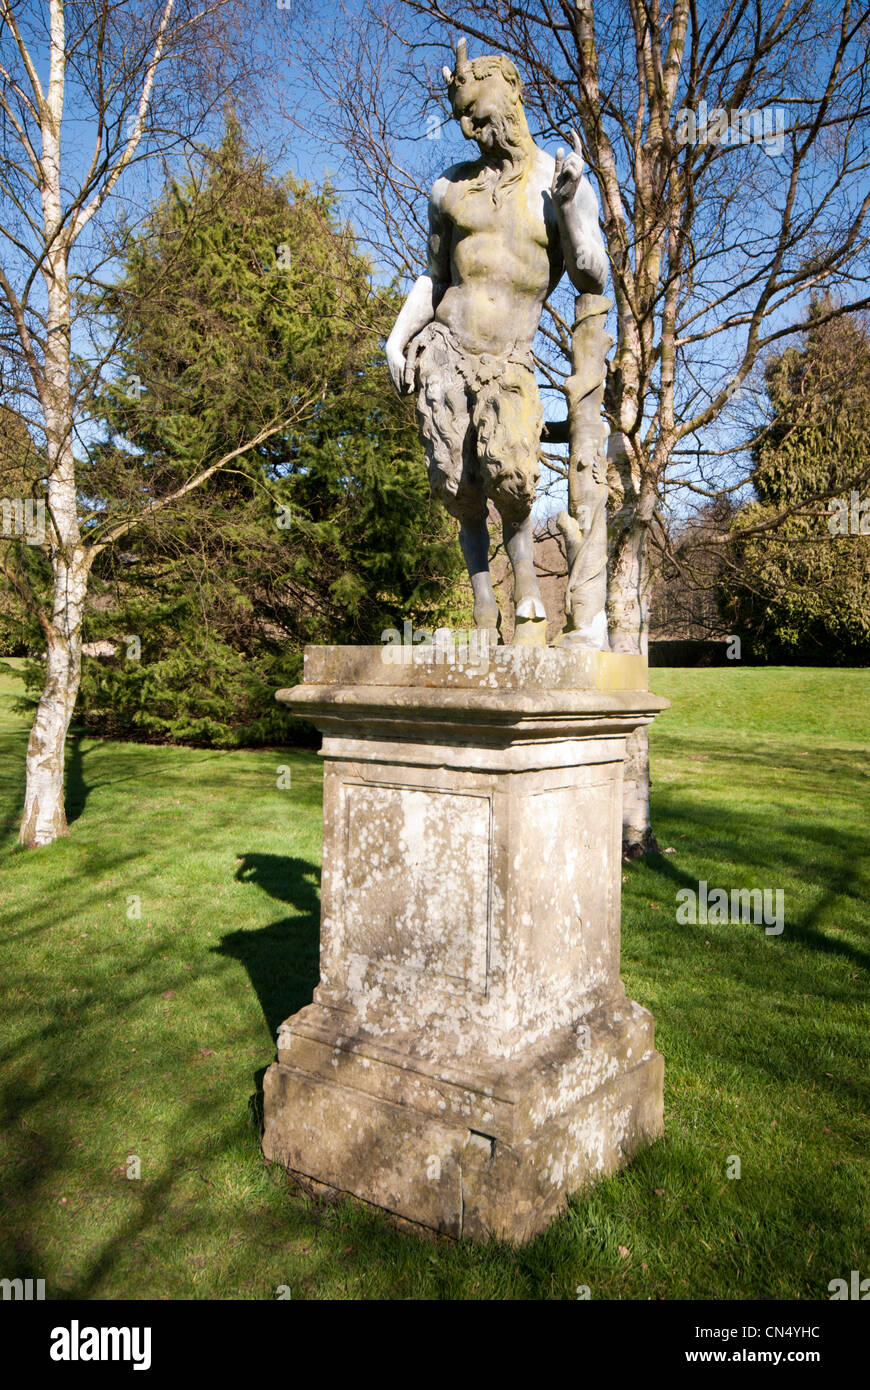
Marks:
<point>148,1035</point>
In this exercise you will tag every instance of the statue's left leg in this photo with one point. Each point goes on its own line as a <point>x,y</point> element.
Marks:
<point>508,420</point>
<point>528,604</point>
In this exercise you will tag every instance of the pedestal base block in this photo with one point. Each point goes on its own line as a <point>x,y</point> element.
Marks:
<point>492,1150</point>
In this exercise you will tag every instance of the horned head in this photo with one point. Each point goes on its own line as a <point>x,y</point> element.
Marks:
<point>466,70</point>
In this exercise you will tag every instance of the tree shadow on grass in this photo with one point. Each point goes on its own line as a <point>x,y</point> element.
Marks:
<point>76,788</point>
<point>282,958</point>
<point>770,986</point>
<point>835,882</point>
<point>348,1241</point>
<point>751,751</point>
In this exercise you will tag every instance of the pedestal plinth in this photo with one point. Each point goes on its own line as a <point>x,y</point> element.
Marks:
<point>470,1057</point>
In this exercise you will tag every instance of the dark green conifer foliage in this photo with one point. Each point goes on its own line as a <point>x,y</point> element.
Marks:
<point>245,295</point>
<point>24,568</point>
<point>803,589</point>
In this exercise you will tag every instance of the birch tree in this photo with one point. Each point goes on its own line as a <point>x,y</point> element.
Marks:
<point>93,93</point>
<point>729,144</point>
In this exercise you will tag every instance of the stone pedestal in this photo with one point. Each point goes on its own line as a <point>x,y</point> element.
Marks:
<point>470,1057</point>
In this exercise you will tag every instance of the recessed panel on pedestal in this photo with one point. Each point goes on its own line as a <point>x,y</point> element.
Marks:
<point>416,894</point>
<point>567,925</point>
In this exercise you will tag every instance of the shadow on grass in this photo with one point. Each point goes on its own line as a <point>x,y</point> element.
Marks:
<point>728,1053</point>
<point>282,958</point>
<point>767,983</point>
<point>13,754</point>
<point>758,869</point>
<point>80,745</point>
<point>283,878</point>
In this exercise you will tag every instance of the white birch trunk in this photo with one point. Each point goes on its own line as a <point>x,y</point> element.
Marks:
<point>44,816</point>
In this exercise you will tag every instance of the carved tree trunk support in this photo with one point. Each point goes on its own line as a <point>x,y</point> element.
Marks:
<point>470,1056</point>
<point>628,615</point>
<point>584,525</point>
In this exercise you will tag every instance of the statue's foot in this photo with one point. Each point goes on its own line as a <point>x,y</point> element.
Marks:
<point>592,633</point>
<point>530,629</point>
<point>531,608</point>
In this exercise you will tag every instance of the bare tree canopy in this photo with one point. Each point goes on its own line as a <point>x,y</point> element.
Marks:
<point>730,147</point>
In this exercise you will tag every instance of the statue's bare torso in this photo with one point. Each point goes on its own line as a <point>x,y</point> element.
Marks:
<point>498,262</point>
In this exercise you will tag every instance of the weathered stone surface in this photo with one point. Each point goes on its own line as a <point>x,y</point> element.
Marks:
<point>530,670</point>
<point>470,1056</point>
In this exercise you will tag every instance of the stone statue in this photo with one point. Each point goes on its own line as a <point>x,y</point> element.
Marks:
<point>502,230</point>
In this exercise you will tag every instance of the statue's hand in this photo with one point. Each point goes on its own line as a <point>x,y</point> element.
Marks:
<point>396,365</point>
<point>568,174</point>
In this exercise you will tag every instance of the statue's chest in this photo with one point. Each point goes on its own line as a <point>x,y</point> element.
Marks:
<point>518,215</point>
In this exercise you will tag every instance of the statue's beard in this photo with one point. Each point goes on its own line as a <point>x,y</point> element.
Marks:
<point>505,145</point>
<point>504,154</point>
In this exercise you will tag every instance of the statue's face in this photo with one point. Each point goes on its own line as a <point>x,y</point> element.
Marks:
<point>484,107</point>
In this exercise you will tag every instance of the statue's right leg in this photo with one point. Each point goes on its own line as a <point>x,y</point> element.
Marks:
<point>507,417</point>
<point>474,544</point>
